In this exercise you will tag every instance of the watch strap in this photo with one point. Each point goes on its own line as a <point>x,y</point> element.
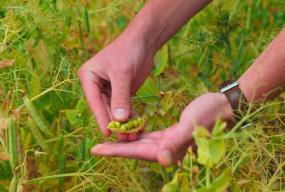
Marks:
<point>235,97</point>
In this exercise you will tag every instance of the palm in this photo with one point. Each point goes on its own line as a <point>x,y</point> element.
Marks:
<point>148,147</point>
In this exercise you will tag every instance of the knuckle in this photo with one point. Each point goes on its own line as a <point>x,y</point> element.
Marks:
<point>121,98</point>
<point>172,147</point>
<point>123,69</point>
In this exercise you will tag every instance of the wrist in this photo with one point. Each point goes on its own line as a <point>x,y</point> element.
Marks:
<point>145,31</point>
<point>221,109</point>
<point>205,110</point>
<point>226,111</point>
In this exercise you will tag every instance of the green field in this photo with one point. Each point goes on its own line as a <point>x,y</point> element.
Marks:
<point>47,130</point>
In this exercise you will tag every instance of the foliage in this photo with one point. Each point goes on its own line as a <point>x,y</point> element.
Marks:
<point>47,130</point>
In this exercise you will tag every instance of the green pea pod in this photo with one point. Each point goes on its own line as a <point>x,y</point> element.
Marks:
<point>132,126</point>
<point>38,135</point>
<point>33,112</point>
<point>12,142</point>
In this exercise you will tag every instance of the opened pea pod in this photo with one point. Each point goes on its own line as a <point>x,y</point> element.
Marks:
<point>131,126</point>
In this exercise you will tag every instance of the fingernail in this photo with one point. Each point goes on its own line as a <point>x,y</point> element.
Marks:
<point>120,113</point>
<point>95,149</point>
<point>167,157</point>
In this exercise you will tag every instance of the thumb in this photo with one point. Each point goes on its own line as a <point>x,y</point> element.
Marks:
<point>174,145</point>
<point>121,98</point>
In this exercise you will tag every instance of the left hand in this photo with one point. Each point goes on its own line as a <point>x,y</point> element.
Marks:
<point>170,145</point>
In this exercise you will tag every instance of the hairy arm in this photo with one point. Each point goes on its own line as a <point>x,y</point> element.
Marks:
<point>265,78</point>
<point>159,20</point>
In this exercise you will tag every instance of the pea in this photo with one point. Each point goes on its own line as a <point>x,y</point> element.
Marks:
<point>136,123</point>
<point>124,127</point>
<point>131,126</point>
<point>114,124</point>
<point>117,124</point>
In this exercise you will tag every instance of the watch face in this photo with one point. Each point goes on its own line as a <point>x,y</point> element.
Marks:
<point>228,85</point>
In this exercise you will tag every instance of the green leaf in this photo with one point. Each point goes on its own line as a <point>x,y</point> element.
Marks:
<point>217,150</point>
<point>139,6</point>
<point>219,128</point>
<point>200,135</point>
<point>221,183</point>
<point>173,185</point>
<point>149,91</point>
<point>155,167</point>
<point>218,185</point>
<point>203,151</point>
<point>161,60</point>
<point>73,117</point>
<point>201,132</point>
<point>80,115</point>
<point>211,148</point>
<point>81,105</point>
<point>185,183</point>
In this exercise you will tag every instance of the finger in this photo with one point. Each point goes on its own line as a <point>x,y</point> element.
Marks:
<point>106,101</point>
<point>137,150</point>
<point>121,98</point>
<point>94,98</point>
<point>172,143</point>
<point>122,136</point>
<point>132,137</point>
<point>156,135</point>
<point>133,114</point>
<point>181,153</point>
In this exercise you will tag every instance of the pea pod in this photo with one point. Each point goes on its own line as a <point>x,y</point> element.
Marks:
<point>131,126</point>
<point>12,142</point>
<point>33,112</point>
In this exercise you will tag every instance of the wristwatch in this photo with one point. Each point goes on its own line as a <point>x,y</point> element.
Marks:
<point>235,97</point>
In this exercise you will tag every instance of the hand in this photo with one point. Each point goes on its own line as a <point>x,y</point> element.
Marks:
<point>112,76</point>
<point>170,145</point>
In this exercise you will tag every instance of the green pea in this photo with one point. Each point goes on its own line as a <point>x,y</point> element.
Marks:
<point>124,127</point>
<point>117,124</point>
<point>136,123</point>
<point>131,126</point>
<point>114,124</point>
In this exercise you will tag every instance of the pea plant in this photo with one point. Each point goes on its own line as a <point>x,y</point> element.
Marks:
<point>47,128</point>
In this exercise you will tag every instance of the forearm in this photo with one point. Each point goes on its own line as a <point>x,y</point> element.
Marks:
<point>265,78</point>
<point>160,19</point>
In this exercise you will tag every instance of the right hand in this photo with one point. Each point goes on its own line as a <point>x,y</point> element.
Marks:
<point>112,76</point>
<point>170,145</point>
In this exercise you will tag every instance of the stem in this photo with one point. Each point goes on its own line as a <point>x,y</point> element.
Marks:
<point>208,177</point>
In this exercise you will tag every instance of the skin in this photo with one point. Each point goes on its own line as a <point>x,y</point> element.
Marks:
<point>106,89</point>
<point>170,145</point>
<point>112,76</point>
